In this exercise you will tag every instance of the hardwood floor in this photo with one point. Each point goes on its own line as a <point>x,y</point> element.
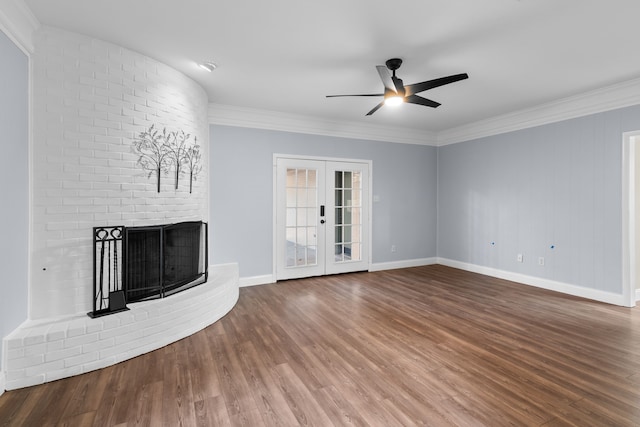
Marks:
<point>421,346</point>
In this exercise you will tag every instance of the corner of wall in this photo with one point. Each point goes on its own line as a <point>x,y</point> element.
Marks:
<point>18,23</point>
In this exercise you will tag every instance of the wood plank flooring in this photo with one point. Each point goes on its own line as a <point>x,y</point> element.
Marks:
<point>428,346</point>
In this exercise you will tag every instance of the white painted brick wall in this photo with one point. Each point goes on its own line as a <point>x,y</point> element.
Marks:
<point>91,99</point>
<point>43,351</point>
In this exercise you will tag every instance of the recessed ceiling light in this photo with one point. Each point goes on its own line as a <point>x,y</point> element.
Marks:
<point>209,66</point>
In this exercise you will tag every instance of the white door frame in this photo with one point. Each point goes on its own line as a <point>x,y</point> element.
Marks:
<point>630,268</point>
<point>274,239</point>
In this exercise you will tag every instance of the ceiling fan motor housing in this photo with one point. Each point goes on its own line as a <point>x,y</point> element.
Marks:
<point>393,64</point>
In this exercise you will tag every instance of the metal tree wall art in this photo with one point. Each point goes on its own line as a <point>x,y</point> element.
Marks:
<point>152,154</point>
<point>177,149</point>
<point>159,151</point>
<point>192,162</point>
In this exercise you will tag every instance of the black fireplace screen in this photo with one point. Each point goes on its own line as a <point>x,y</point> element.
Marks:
<point>156,261</point>
<point>162,260</point>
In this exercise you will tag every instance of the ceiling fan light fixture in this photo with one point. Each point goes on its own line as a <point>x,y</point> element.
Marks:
<point>208,66</point>
<point>393,100</point>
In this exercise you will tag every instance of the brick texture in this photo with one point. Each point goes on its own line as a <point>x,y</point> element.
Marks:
<point>90,101</point>
<point>43,351</point>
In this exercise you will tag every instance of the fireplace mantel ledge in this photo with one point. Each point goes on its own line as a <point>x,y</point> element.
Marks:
<point>49,349</point>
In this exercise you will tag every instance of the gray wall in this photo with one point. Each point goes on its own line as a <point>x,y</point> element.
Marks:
<point>14,188</point>
<point>635,141</point>
<point>554,185</point>
<point>241,194</point>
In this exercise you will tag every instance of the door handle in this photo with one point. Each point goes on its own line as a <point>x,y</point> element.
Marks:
<point>321,210</point>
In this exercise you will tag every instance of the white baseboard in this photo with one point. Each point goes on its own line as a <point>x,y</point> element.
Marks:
<point>379,266</point>
<point>256,280</point>
<point>565,288</point>
<point>269,278</point>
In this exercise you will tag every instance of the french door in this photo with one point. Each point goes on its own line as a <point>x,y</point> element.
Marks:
<point>322,217</point>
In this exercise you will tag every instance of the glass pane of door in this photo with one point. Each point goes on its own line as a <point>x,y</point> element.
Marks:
<point>301,228</point>
<point>299,233</point>
<point>348,216</point>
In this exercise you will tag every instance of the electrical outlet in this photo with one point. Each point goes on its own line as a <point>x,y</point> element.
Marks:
<point>520,258</point>
<point>541,260</point>
<point>393,248</point>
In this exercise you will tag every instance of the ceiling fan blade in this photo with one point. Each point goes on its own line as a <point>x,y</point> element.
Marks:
<point>387,81</point>
<point>415,99</point>
<point>399,86</point>
<point>365,94</point>
<point>430,84</point>
<point>376,108</point>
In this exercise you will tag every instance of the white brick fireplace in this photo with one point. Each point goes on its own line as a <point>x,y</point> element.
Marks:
<point>91,99</point>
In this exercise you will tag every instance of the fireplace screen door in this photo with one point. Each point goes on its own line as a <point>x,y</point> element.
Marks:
<point>321,217</point>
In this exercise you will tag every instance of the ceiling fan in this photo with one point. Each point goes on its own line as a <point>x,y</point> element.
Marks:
<point>395,92</point>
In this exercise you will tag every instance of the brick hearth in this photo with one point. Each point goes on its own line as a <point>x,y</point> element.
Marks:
<point>50,349</point>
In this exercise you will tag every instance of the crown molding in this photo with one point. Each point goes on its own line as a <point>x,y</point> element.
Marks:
<point>620,95</point>
<point>228,115</point>
<point>18,23</point>
<point>608,98</point>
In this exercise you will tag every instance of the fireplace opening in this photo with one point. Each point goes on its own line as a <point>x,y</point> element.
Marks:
<point>162,260</point>
<point>139,263</point>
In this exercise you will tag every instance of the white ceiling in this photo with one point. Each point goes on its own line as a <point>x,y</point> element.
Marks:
<point>286,55</point>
